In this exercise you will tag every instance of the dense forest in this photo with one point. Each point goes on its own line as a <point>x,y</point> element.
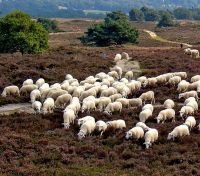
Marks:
<point>88,8</point>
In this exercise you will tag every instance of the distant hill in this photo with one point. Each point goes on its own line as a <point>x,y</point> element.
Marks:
<point>76,8</point>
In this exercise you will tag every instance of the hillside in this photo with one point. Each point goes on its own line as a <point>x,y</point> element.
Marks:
<point>65,8</point>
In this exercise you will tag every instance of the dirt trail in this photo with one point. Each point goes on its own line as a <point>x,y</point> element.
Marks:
<point>156,37</point>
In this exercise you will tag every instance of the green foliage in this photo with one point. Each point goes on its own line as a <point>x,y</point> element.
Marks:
<point>182,13</point>
<point>49,25</point>
<point>150,14</point>
<point>136,15</point>
<point>166,21</point>
<point>19,33</point>
<point>114,30</point>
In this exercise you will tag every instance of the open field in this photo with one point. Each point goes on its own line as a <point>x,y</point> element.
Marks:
<point>38,144</point>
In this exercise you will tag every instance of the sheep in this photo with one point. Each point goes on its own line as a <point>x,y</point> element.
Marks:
<point>125,56</point>
<point>135,102</point>
<point>190,122</point>
<point>10,90</point>
<point>101,75</point>
<point>114,74</point>
<point>78,91</point>
<point>62,100</point>
<point>108,92</point>
<point>148,96</point>
<point>114,106</point>
<point>48,105</point>
<point>148,106</point>
<point>134,85</point>
<point>194,85</point>
<point>189,94</point>
<point>187,51</point>
<point>142,79</point>
<point>186,110</point>
<point>56,86</point>
<point>68,117</point>
<point>135,132</point>
<point>117,57</point>
<point>124,101</point>
<point>161,79</point>
<point>68,77</point>
<point>150,136</point>
<point>116,124</point>
<point>193,104</point>
<point>118,70</point>
<point>166,114</point>
<point>115,96</point>
<point>86,128</point>
<point>27,89</point>
<point>169,104</point>
<point>40,82</point>
<point>175,80</point>
<point>129,75</point>
<point>35,94</point>
<point>55,93</point>
<point>37,105</point>
<point>27,82</point>
<point>183,75</point>
<point>150,82</point>
<point>143,126</point>
<point>44,87</point>
<point>87,93</point>
<point>179,131</point>
<point>168,76</point>
<point>195,78</point>
<point>145,114</point>
<point>187,100</point>
<point>102,103</point>
<point>88,105</point>
<point>65,85</point>
<point>194,53</point>
<point>84,119</point>
<point>101,126</point>
<point>183,86</point>
<point>75,105</point>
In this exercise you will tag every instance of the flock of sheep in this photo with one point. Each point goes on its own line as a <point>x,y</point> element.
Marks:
<point>192,52</point>
<point>109,93</point>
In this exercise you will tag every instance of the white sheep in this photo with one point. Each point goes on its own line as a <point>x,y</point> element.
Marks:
<point>169,104</point>
<point>161,79</point>
<point>101,75</point>
<point>68,77</point>
<point>55,86</point>
<point>63,100</point>
<point>142,79</point>
<point>183,86</point>
<point>114,74</point>
<point>27,89</point>
<point>143,126</point>
<point>125,56</point>
<point>194,53</point>
<point>135,132</point>
<point>37,105</point>
<point>183,75</point>
<point>65,85</point>
<point>88,105</point>
<point>75,105</point>
<point>124,101</point>
<point>108,92</point>
<point>68,117</point>
<point>195,78</point>
<point>165,115</point>
<point>102,103</point>
<point>115,96</point>
<point>55,93</point>
<point>148,106</point>
<point>101,126</point>
<point>179,131</point>
<point>84,119</point>
<point>175,80</point>
<point>188,94</point>
<point>186,110</point>
<point>44,87</point>
<point>86,128</point>
<point>190,122</point>
<point>135,102</point>
<point>86,93</point>
<point>187,100</point>
<point>150,136</point>
<point>40,82</point>
<point>28,82</point>
<point>145,114</point>
<point>48,106</point>
<point>193,104</point>
<point>194,85</point>
<point>118,70</point>
<point>117,57</point>
<point>148,96</point>
<point>150,82</point>
<point>10,90</point>
<point>116,124</point>
<point>35,94</point>
<point>129,75</point>
<point>113,107</point>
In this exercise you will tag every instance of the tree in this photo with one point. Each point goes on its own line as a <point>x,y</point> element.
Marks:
<point>49,25</point>
<point>166,20</point>
<point>115,29</point>
<point>182,13</point>
<point>18,32</point>
<point>150,14</point>
<point>136,15</point>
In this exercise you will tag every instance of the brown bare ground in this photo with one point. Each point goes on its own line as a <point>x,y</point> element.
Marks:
<point>38,145</point>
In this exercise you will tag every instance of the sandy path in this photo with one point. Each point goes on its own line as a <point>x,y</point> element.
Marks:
<point>156,37</point>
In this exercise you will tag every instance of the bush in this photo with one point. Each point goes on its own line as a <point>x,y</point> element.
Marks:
<point>49,25</point>
<point>18,32</point>
<point>115,29</point>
